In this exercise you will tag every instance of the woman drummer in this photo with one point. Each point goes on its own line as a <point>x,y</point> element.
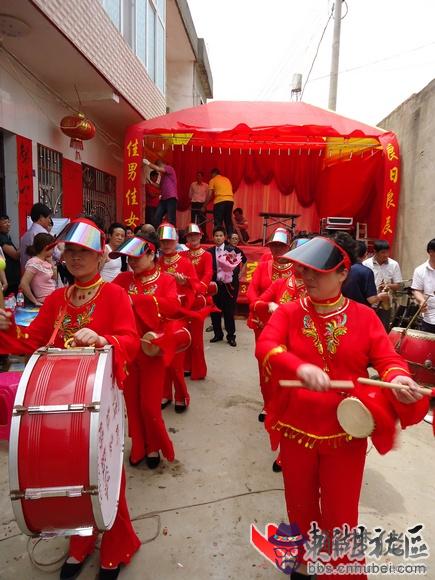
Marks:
<point>317,338</point>
<point>83,315</point>
<point>153,294</point>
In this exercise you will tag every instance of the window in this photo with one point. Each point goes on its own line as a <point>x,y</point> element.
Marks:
<point>142,23</point>
<point>50,179</point>
<point>99,194</point>
<point>113,9</point>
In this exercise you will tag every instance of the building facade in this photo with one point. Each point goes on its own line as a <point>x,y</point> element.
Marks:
<point>414,124</point>
<point>117,62</point>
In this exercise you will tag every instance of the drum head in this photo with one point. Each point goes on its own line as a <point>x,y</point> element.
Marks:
<point>355,418</point>
<point>147,345</point>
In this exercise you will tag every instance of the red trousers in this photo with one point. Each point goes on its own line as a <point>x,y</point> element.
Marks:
<point>323,485</point>
<point>143,392</point>
<point>117,544</point>
<point>194,360</point>
<point>175,376</point>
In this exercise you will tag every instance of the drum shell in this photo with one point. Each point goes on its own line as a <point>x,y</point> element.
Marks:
<point>418,349</point>
<point>67,449</point>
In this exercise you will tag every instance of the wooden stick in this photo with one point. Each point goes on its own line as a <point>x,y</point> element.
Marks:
<point>394,386</point>
<point>334,384</point>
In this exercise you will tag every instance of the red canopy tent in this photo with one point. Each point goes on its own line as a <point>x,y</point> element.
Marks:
<point>289,157</point>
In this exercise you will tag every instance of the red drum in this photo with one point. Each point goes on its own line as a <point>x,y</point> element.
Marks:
<point>154,344</point>
<point>66,444</point>
<point>418,349</point>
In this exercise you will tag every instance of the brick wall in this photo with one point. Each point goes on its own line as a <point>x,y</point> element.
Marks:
<point>89,28</point>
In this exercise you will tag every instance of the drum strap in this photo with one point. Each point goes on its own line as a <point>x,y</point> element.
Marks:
<point>57,326</point>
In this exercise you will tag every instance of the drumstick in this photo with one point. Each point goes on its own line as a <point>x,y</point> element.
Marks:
<point>333,384</point>
<point>394,386</point>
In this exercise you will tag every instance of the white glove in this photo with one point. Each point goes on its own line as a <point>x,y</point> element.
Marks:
<point>272,307</point>
<point>145,161</point>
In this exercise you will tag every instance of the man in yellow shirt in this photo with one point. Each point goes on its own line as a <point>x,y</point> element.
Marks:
<point>220,188</point>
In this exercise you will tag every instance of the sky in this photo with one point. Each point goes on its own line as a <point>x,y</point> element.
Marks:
<point>387,51</point>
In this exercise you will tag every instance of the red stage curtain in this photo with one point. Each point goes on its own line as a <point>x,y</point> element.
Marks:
<point>72,201</point>
<point>348,188</point>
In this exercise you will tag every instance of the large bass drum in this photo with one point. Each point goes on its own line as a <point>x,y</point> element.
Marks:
<point>418,349</point>
<point>66,444</point>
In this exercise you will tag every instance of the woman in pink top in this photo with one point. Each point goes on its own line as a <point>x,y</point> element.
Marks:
<point>38,280</point>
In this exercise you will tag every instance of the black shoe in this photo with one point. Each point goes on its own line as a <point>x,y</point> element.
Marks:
<point>152,463</point>
<point>262,416</point>
<point>112,574</point>
<point>166,403</point>
<point>187,373</point>
<point>299,576</point>
<point>232,341</point>
<point>217,338</point>
<point>276,467</point>
<point>180,408</point>
<point>70,571</point>
<point>209,328</point>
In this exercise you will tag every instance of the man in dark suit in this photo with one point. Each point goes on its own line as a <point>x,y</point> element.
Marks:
<point>226,296</point>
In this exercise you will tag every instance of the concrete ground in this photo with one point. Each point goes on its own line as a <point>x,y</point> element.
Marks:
<point>193,516</point>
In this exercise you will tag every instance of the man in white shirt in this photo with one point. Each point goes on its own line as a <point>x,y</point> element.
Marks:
<point>41,218</point>
<point>198,193</point>
<point>423,286</point>
<point>387,276</point>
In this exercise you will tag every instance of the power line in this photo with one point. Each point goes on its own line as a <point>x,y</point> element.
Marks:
<point>317,51</point>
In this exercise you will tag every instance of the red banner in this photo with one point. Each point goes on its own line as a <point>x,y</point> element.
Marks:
<point>391,190</point>
<point>25,181</point>
<point>72,184</point>
<point>133,202</point>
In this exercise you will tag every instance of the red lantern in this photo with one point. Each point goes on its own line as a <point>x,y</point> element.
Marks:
<point>79,129</point>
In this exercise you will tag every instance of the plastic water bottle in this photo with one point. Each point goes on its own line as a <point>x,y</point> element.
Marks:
<point>8,302</point>
<point>20,298</point>
<point>13,302</point>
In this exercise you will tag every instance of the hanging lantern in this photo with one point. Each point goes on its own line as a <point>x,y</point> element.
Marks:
<point>79,129</point>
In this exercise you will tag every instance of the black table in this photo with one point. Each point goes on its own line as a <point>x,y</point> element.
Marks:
<point>288,220</point>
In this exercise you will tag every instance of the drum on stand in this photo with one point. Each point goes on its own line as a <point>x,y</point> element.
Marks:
<point>67,443</point>
<point>418,349</point>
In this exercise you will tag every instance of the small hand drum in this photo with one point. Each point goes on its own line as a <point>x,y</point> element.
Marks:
<point>355,418</point>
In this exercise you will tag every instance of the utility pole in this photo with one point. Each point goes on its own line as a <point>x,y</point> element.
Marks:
<point>333,78</point>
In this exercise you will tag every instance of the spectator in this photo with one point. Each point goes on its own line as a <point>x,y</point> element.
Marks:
<point>221,190</point>
<point>423,286</point>
<point>234,241</point>
<point>241,225</point>
<point>387,277</point>
<point>39,276</point>
<point>152,196</point>
<point>41,217</point>
<point>113,266</point>
<point>168,193</point>
<point>198,194</point>
<point>12,255</point>
<point>360,282</point>
<point>226,297</point>
<point>128,232</point>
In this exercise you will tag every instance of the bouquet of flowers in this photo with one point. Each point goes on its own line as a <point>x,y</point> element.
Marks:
<point>227,262</point>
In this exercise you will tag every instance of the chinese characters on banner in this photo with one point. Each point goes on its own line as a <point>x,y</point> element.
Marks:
<point>25,181</point>
<point>133,203</point>
<point>390,199</point>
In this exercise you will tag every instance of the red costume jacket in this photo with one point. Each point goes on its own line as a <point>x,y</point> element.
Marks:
<point>265,273</point>
<point>203,263</point>
<point>281,291</point>
<point>344,344</point>
<point>179,264</point>
<point>109,314</point>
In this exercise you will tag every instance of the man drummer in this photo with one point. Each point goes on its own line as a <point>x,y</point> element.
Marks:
<point>423,287</point>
